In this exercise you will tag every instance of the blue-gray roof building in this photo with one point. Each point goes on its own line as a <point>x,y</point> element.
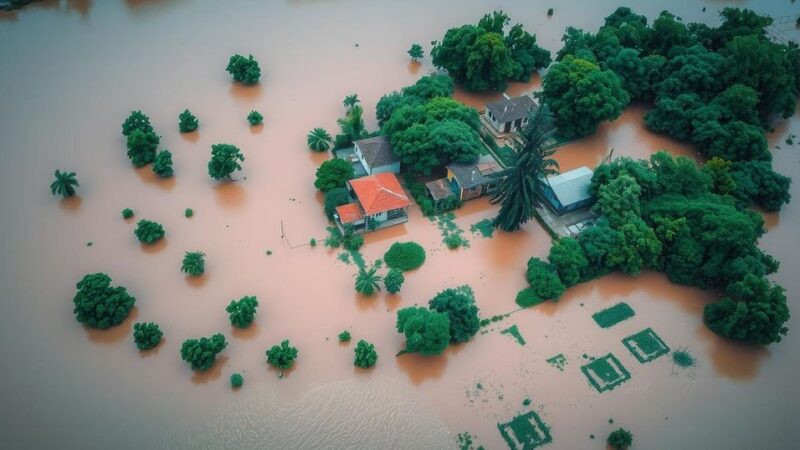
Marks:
<point>568,191</point>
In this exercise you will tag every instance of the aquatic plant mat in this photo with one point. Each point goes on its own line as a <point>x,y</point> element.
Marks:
<point>525,432</point>
<point>645,345</point>
<point>513,331</point>
<point>613,315</point>
<point>606,373</point>
<point>485,228</point>
<point>452,234</point>
<point>559,361</point>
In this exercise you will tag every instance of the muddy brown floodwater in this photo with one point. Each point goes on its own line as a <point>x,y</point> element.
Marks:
<point>69,74</point>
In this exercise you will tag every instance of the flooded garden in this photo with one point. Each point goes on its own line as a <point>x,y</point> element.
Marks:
<point>616,351</point>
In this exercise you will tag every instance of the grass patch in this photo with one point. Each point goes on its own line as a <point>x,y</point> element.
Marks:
<point>525,432</point>
<point>513,331</point>
<point>611,316</point>
<point>645,345</point>
<point>605,373</point>
<point>559,361</point>
<point>527,298</point>
<point>682,357</point>
<point>485,228</point>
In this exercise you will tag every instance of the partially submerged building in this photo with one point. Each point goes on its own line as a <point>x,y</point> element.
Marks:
<point>376,156</point>
<point>510,114</point>
<point>473,180</point>
<point>568,191</point>
<point>380,201</point>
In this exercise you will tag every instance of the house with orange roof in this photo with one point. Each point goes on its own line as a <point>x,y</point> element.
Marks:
<point>380,201</point>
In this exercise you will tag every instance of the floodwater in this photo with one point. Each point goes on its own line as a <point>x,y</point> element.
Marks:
<point>69,74</point>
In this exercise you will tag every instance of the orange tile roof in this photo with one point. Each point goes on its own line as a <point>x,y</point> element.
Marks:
<point>380,192</point>
<point>350,212</point>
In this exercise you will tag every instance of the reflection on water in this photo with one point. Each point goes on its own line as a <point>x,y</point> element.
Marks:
<point>115,334</point>
<point>244,93</point>
<point>230,194</point>
<point>155,247</point>
<point>422,368</point>
<point>71,204</point>
<point>147,175</point>
<point>211,374</point>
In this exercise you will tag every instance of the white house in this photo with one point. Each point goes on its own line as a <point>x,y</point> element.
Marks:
<point>376,156</point>
<point>510,114</point>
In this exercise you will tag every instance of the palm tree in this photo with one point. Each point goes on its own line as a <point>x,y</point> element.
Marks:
<point>521,182</point>
<point>353,124</point>
<point>194,264</point>
<point>64,183</point>
<point>351,101</point>
<point>367,281</point>
<point>319,140</point>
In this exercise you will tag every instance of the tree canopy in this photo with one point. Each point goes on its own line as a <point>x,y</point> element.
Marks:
<point>148,232</point>
<point>187,122</point>
<point>242,312</point>
<point>194,263</point>
<point>282,356</point>
<point>202,353</point>
<point>64,184</point>
<point>415,52</point>
<point>146,335</point>
<point>404,256</point>
<point>162,165</point>
<point>459,305</point>
<point>333,174</point>
<point>142,146</point>
<point>244,70</point>
<point>97,304</point>
<point>225,159</point>
<point>136,121</point>
<point>365,355</point>
<point>427,332</point>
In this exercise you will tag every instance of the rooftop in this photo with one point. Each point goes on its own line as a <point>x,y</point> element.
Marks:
<point>511,109</point>
<point>439,189</point>
<point>379,193</point>
<point>475,174</point>
<point>350,212</point>
<point>377,151</point>
<point>573,186</point>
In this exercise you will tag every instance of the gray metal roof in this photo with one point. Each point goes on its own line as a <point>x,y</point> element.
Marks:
<point>509,110</point>
<point>475,174</point>
<point>439,189</point>
<point>377,151</point>
<point>573,186</point>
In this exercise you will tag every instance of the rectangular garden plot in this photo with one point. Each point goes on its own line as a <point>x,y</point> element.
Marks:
<point>605,373</point>
<point>645,345</point>
<point>525,432</point>
<point>613,315</point>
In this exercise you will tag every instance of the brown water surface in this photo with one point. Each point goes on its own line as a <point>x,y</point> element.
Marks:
<point>71,71</point>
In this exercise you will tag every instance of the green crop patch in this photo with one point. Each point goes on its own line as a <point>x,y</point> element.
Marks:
<point>613,315</point>
<point>513,331</point>
<point>525,432</point>
<point>559,361</point>
<point>605,373</point>
<point>645,345</point>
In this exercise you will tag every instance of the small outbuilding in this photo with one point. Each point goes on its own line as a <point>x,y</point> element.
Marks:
<point>510,114</point>
<point>376,155</point>
<point>568,191</point>
<point>473,180</point>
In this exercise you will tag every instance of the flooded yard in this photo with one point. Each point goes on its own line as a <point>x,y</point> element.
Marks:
<point>70,72</point>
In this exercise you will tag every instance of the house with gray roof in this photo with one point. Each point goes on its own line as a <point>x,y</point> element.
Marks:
<point>473,180</point>
<point>376,156</point>
<point>510,114</point>
<point>568,191</point>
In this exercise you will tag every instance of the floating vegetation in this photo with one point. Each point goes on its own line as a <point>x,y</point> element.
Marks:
<point>526,402</point>
<point>485,228</point>
<point>613,315</point>
<point>526,431</point>
<point>344,257</point>
<point>559,361</point>
<point>452,234</point>
<point>682,357</point>
<point>645,345</point>
<point>465,441</point>
<point>605,373</point>
<point>493,319</point>
<point>513,331</point>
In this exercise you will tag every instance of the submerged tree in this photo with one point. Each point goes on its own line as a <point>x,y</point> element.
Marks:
<point>282,356</point>
<point>162,166</point>
<point>427,332</point>
<point>367,281</point>
<point>224,161</point>
<point>187,121</point>
<point>255,118</point>
<point>459,305</point>
<point>194,263</point>
<point>319,140</point>
<point>352,125</point>
<point>65,184</point>
<point>97,304</point>
<point>620,439</point>
<point>415,52</point>
<point>202,353</point>
<point>244,70</point>
<point>142,147</point>
<point>237,380</point>
<point>365,355</point>
<point>146,335</point>
<point>332,174</point>
<point>351,101</point>
<point>521,182</point>
<point>148,232</point>
<point>136,121</point>
<point>393,280</point>
<point>242,312</point>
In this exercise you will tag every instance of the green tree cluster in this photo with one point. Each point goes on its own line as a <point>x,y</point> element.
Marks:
<point>202,353</point>
<point>365,355</point>
<point>225,159</point>
<point>282,356</point>
<point>242,312</point>
<point>148,232</point>
<point>146,335</point>
<point>334,198</point>
<point>244,70</point>
<point>459,305</point>
<point>483,57</point>
<point>544,280</point>
<point>427,332</point>
<point>162,165</point>
<point>97,304</point>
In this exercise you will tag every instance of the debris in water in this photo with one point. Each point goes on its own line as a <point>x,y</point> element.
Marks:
<point>559,361</point>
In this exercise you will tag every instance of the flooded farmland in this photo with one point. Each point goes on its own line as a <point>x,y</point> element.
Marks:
<point>70,72</point>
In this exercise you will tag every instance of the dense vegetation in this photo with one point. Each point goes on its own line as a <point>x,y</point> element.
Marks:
<point>365,355</point>
<point>427,332</point>
<point>404,256</point>
<point>194,264</point>
<point>367,281</point>
<point>162,165</point>
<point>224,161</point>
<point>482,57</point>
<point>98,304</point>
<point>142,147</point>
<point>459,305</point>
<point>244,70</point>
<point>333,198</point>
<point>242,312</point>
<point>282,356</point>
<point>202,353</point>
<point>620,439</point>
<point>146,335</point>
<point>663,214</point>
<point>64,184</point>
<point>393,280</point>
<point>719,88</point>
<point>148,232</point>
<point>187,122</point>
<point>333,174</point>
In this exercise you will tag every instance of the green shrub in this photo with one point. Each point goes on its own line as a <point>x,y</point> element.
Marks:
<point>282,356</point>
<point>162,166</point>
<point>255,118</point>
<point>188,212</point>
<point>64,184</point>
<point>405,256</point>
<point>187,121</point>
<point>344,336</point>
<point>224,161</point>
<point>393,281</point>
<point>365,355</point>
<point>237,380</point>
<point>244,70</point>
<point>620,439</point>
<point>202,353</point>
<point>367,281</point>
<point>241,313</point>
<point>146,335</point>
<point>98,304</point>
<point>148,232</point>
<point>312,242</point>
<point>334,198</point>
<point>127,213</point>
